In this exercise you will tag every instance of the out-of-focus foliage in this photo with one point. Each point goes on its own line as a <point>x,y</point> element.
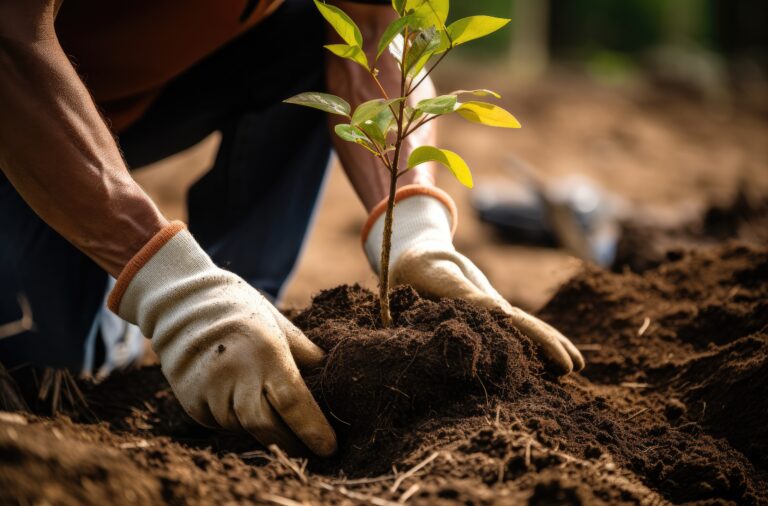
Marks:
<point>587,29</point>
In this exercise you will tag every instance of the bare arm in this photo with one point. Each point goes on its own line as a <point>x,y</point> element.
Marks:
<point>55,148</point>
<point>351,81</point>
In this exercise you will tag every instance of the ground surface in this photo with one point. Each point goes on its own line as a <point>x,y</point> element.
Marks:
<point>451,406</point>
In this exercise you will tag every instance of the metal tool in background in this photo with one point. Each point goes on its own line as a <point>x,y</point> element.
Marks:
<point>572,212</point>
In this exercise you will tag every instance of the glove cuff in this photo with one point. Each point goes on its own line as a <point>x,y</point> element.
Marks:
<point>410,191</point>
<point>422,214</point>
<point>139,260</point>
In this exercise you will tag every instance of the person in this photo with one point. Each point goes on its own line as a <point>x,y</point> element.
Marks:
<point>161,75</point>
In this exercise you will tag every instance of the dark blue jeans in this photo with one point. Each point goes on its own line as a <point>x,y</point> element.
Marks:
<point>250,212</point>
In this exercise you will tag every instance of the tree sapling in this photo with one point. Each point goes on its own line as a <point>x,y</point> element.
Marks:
<point>418,39</point>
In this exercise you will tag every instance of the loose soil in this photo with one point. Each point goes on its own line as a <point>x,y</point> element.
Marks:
<point>451,406</point>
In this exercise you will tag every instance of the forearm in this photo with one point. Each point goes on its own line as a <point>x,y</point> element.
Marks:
<point>60,156</point>
<point>349,80</point>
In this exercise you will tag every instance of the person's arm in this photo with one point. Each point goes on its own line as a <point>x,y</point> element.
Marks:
<point>351,81</point>
<point>55,148</point>
<point>231,358</point>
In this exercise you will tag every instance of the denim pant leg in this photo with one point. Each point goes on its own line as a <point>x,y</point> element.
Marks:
<point>250,212</point>
<point>64,288</point>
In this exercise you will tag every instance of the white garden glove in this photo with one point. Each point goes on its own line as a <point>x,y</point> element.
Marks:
<point>424,257</point>
<point>226,351</point>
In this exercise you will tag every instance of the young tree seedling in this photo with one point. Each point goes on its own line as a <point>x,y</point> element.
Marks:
<point>418,39</point>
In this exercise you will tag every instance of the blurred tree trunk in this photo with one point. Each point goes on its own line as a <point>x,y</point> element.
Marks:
<point>529,53</point>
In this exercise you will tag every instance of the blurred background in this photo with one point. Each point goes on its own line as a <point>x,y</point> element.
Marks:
<point>645,129</point>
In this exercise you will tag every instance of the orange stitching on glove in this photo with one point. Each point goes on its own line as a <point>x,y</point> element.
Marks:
<point>138,261</point>
<point>412,190</point>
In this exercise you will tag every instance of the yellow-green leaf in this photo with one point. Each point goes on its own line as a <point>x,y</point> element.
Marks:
<point>474,27</point>
<point>343,24</point>
<point>370,109</point>
<point>487,114</point>
<point>442,104</point>
<point>450,159</point>
<point>351,133</point>
<point>422,48</point>
<point>392,31</point>
<point>428,12</point>
<point>354,53</point>
<point>323,101</point>
<point>477,93</point>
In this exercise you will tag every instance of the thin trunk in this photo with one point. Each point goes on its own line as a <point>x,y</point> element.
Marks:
<point>386,245</point>
<point>394,168</point>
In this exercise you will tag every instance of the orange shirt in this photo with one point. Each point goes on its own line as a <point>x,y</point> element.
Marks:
<point>128,50</point>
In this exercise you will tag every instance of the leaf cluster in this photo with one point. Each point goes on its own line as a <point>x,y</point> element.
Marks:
<point>418,40</point>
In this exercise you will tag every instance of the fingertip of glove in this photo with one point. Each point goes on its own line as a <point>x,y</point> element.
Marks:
<point>578,363</point>
<point>325,446</point>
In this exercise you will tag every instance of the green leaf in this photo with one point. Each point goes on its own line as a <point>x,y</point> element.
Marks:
<point>392,31</point>
<point>487,114</point>
<point>428,13</point>
<point>350,133</point>
<point>323,101</point>
<point>412,114</point>
<point>378,127</point>
<point>399,6</point>
<point>477,93</point>
<point>374,132</point>
<point>385,121</point>
<point>369,110</point>
<point>343,24</point>
<point>354,53</point>
<point>422,48</point>
<point>474,27</point>
<point>438,105</point>
<point>448,158</point>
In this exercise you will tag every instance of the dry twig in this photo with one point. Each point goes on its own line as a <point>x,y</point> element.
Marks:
<point>281,501</point>
<point>415,469</point>
<point>289,463</point>
<point>408,493</point>
<point>638,414</point>
<point>23,324</point>
<point>644,326</point>
<point>10,395</point>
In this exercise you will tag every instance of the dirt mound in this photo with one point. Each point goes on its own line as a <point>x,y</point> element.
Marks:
<point>744,218</point>
<point>376,382</point>
<point>451,406</point>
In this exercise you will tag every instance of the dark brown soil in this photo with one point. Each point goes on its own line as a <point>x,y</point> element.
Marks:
<point>671,408</point>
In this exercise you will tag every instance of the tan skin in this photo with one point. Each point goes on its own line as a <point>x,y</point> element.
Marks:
<point>61,157</point>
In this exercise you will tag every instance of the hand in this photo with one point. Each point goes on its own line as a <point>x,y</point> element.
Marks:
<point>423,256</point>
<point>229,355</point>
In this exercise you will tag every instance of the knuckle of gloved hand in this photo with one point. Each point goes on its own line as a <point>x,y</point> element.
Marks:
<point>254,422</point>
<point>198,410</point>
<point>285,396</point>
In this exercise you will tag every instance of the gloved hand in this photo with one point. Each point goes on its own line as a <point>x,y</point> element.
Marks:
<point>228,354</point>
<point>424,257</point>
